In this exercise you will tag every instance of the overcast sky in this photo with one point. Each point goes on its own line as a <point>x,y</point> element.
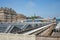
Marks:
<point>43,8</point>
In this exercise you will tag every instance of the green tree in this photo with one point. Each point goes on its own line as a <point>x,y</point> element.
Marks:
<point>33,17</point>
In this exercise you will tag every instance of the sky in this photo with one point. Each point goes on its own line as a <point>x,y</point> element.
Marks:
<point>43,8</point>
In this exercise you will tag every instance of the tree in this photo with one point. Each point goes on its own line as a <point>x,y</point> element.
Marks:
<point>33,17</point>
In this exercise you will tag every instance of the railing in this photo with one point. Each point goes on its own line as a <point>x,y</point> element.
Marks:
<point>38,29</point>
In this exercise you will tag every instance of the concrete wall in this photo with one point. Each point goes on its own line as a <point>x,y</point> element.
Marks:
<point>48,31</point>
<point>47,38</point>
<point>4,36</point>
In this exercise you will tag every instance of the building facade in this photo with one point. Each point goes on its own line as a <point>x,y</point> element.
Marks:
<point>20,17</point>
<point>7,14</point>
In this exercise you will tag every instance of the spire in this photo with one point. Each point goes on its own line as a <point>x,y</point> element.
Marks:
<point>34,14</point>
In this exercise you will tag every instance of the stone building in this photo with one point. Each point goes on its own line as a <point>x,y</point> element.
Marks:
<point>20,17</point>
<point>7,14</point>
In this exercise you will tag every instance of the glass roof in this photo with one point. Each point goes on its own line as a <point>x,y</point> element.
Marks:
<point>5,26</point>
